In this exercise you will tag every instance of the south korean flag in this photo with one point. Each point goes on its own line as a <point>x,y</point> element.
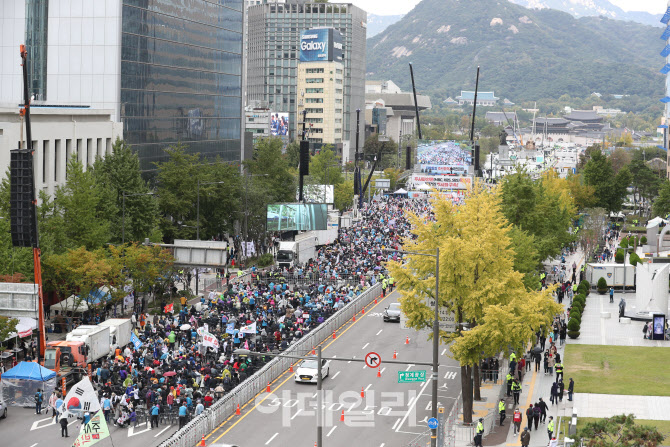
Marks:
<point>80,399</point>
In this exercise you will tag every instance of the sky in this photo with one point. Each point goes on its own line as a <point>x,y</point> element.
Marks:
<point>393,7</point>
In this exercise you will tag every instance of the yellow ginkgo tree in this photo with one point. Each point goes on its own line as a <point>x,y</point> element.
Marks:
<point>477,282</point>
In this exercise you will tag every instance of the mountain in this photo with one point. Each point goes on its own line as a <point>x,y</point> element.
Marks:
<point>585,8</point>
<point>524,54</point>
<point>377,24</point>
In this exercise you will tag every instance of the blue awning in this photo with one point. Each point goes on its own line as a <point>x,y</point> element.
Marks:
<point>665,100</point>
<point>666,34</point>
<point>663,126</point>
<point>661,147</point>
<point>665,51</point>
<point>666,16</point>
<point>29,371</point>
<point>665,69</point>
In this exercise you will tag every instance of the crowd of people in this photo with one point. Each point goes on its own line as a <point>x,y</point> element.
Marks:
<point>172,372</point>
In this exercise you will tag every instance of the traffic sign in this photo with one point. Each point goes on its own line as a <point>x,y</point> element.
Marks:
<point>411,376</point>
<point>373,360</point>
<point>432,423</point>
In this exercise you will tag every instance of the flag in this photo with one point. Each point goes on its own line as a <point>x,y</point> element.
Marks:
<point>250,329</point>
<point>135,341</point>
<point>169,308</point>
<point>80,398</point>
<point>246,344</point>
<point>230,328</point>
<point>210,340</point>
<point>96,430</point>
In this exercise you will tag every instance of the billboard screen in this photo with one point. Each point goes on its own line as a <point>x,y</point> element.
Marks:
<point>279,124</point>
<point>297,216</point>
<point>443,157</point>
<point>320,44</point>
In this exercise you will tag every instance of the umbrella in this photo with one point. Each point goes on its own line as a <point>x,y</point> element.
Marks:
<point>185,327</point>
<point>169,374</point>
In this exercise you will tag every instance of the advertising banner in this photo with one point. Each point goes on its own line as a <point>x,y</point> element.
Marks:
<point>442,182</point>
<point>320,45</point>
<point>297,216</point>
<point>279,124</point>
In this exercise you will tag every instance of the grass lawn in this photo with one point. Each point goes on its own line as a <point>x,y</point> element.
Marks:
<point>618,369</point>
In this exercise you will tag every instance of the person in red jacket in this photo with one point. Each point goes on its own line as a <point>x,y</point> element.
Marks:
<point>208,400</point>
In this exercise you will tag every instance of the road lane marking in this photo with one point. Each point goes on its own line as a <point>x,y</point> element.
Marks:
<point>382,371</point>
<point>380,331</point>
<point>131,429</point>
<point>408,367</point>
<point>335,375</point>
<point>409,407</point>
<point>288,377</point>
<point>33,445</point>
<point>395,425</point>
<point>270,440</point>
<point>450,375</point>
<point>368,387</point>
<point>353,357</point>
<point>162,431</point>
<point>353,405</point>
<point>366,345</point>
<point>314,395</point>
<point>382,445</point>
<point>296,413</point>
<point>443,351</point>
<point>331,430</point>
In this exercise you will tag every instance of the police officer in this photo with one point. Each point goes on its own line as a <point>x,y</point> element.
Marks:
<point>550,427</point>
<point>479,433</point>
<point>384,286</point>
<point>516,391</point>
<point>510,378</point>
<point>559,371</point>
<point>501,410</point>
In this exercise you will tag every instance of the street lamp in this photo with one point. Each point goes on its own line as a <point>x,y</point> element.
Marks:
<point>123,224</point>
<point>197,231</point>
<point>436,335</point>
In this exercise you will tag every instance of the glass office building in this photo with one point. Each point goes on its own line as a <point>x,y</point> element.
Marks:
<point>273,55</point>
<point>181,77</point>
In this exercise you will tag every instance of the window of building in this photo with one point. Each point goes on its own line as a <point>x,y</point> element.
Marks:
<point>314,70</point>
<point>338,71</point>
<point>314,80</point>
<point>313,90</point>
<point>314,120</point>
<point>314,110</point>
<point>338,91</point>
<point>338,101</point>
<point>338,81</point>
<point>314,100</point>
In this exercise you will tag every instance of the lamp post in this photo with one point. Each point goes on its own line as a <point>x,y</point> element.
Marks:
<point>436,335</point>
<point>123,223</point>
<point>197,231</point>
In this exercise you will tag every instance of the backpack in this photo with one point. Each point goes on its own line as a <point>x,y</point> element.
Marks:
<point>517,417</point>
<point>536,411</point>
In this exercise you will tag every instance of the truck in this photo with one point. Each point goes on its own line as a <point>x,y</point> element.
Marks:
<point>69,358</point>
<point>119,332</point>
<point>304,246</point>
<point>614,274</point>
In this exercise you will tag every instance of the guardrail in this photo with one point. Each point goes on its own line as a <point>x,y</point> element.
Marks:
<point>204,424</point>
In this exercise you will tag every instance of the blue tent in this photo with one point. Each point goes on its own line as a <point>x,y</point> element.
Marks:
<point>29,371</point>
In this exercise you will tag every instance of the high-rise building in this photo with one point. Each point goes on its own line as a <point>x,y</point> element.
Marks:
<point>273,34</point>
<point>321,86</point>
<point>169,70</point>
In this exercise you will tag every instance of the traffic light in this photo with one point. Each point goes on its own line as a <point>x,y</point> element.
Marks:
<point>23,224</point>
<point>304,157</point>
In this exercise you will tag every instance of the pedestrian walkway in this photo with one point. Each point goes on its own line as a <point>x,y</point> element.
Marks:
<point>606,405</point>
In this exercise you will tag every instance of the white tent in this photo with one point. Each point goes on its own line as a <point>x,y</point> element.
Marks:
<point>24,325</point>
<point>424,187</point>
<point>400,191</point>
<point>656,221</point>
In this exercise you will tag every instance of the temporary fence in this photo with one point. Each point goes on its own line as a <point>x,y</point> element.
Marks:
<point>244,392</point>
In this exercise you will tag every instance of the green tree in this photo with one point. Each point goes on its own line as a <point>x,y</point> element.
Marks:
<point>293,154</point>
<point>645,183</point>
<point>7,326</point>
<point>85,208</point>
<point>344,195</point>
<point>610,189</point>
<point>526,257</point>
<point>373,147</point>
<point>393,175</point>
<point>117,173</point>
<point>268,160</point>
<point>325,168</point>
<point>477,282</point>
<point>661,205</point>
<point>619,431</point>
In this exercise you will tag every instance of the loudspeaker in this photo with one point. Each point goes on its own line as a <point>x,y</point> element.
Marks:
<point>477,173</point>
<point>408,160</point>
<point>304,157</point>
<point>23,222</point>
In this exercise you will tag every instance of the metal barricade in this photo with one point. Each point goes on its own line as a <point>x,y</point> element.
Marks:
<point>206,422</point>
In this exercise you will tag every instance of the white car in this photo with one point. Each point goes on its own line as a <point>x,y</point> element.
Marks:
<point>307,370</point>
<point>3,409</point>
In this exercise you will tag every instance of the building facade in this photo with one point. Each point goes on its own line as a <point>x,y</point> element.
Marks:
<point>169,70</point>
<point>486,99</point>
<point>274,51</point>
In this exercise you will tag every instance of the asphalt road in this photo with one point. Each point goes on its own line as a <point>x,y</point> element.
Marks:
<point>24,428</point>
<point>390,414</point>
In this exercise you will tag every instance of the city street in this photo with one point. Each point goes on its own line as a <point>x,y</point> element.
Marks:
<point>389,414</point>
